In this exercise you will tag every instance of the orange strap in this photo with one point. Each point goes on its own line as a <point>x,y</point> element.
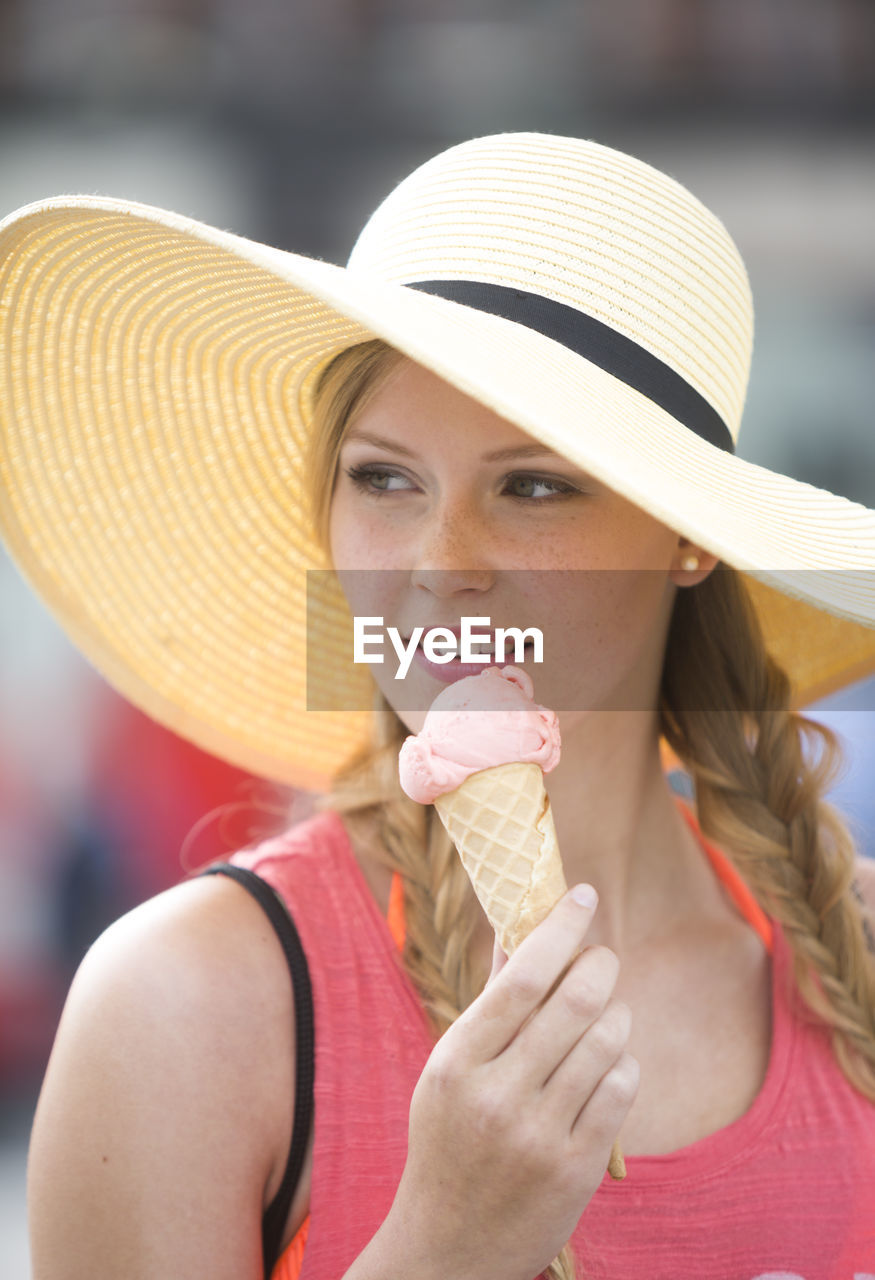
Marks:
<point>731,880</point>
<point>290,1261</point>
<point>395,914</point>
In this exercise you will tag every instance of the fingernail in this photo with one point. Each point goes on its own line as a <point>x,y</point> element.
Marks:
<point>585,895</point>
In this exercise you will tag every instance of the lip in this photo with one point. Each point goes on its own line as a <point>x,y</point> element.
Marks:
<point>449,672</point>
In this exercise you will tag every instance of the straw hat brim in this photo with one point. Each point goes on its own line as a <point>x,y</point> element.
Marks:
<point>154,389</point>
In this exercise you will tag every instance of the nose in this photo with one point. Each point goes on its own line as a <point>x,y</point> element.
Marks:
<point>446,583</point>
<point>451,553</point>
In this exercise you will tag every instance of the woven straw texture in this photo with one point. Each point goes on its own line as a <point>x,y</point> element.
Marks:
<point>501,823</point>
<point>155,384</point>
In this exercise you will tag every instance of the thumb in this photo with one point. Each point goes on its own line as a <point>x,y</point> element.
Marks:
<point>499,960</point>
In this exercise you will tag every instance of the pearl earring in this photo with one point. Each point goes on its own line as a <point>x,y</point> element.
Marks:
<point>690,563</point>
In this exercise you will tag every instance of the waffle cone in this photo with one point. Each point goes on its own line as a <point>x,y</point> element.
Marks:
<point>501,823</point>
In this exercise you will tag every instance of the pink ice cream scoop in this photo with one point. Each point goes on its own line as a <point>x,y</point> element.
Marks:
<point>476,723</point>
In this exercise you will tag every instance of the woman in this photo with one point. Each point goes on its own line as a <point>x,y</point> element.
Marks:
<point>559,391</point>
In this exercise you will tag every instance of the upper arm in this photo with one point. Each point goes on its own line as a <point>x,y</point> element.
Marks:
<point>164,1120</point>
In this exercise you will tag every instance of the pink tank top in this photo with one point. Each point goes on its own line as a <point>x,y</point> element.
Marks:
<point>787,1192</point>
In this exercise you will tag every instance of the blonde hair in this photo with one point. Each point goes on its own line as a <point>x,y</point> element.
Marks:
<point>759,771</point>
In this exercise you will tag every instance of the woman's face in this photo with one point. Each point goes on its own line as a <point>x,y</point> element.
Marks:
<point>442,510</point>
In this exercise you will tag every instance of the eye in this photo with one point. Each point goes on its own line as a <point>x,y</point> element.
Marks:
<point>376,480</point>
<point>524,485</point>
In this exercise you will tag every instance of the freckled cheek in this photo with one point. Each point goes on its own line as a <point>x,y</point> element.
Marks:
<point>359,542</point>
<point>625,635</point>
<point>599,627</point>
<point>624,602</point>
<point>368,580</point>
<point>585,615</point>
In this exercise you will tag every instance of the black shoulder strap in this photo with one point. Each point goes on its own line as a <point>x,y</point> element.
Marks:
<point>277,1212</point>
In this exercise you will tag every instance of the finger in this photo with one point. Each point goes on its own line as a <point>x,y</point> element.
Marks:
<point>600,1119</point>
<point>575,1004</point>
<point>499,960</point>
<point>495,1017</point>
<point>575,1079</point>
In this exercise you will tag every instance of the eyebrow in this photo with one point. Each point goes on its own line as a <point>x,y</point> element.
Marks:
<point>497,455</point>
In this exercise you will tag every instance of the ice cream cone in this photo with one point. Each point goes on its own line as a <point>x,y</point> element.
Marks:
<point>480,759</point>
<point>501,823</point>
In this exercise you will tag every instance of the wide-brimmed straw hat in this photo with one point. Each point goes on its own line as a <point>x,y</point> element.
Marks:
<point>155,383</point>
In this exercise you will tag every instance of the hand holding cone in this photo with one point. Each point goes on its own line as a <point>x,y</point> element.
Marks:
<point>498,816</point>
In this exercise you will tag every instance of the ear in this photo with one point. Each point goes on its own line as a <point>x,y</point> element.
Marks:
<point>682,573</point>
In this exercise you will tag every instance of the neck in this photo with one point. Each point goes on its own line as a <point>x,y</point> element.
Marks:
<point>619,829</point>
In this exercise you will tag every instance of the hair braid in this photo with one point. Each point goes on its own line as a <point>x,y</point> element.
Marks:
<point>439,904</point>
<point>760,771</point>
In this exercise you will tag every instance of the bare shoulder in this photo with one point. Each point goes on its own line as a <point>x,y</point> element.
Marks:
<point>864,874</point>
<point>206,942</point>
<point>165,1115</point>
<point>196,968</point>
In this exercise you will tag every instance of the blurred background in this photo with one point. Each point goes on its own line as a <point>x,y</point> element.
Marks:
<point>287,121</point>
